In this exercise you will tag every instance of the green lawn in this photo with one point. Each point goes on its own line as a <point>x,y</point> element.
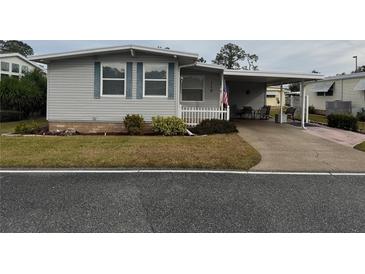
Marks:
<point>226,151</point>
<point>360,146</point>
<point>9,127</point>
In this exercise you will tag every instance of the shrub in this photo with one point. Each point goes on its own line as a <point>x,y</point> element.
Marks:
<point>27,94</point>
<point>32,128</point>
<point>168,126</point>
<point>312,110</point>
<point>361,115</point>
<point>134,124</point>
<point>214,126</point>
<point>344,121</point>
<point>11,115</point>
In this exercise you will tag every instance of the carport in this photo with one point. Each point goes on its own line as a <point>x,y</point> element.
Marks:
<point>244,88</point>
<point>249,87</point>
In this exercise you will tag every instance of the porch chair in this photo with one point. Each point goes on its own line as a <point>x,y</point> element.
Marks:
<point>265,112</point>
<point>290,112</point>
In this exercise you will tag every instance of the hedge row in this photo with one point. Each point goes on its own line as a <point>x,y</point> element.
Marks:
<point>172,125</point>
<point>343,121</point>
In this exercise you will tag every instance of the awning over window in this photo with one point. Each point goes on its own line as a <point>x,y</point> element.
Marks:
<point>323,86</point>
<point>360,85</point>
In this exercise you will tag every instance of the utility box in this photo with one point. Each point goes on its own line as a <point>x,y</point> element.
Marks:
<point>338,107</point>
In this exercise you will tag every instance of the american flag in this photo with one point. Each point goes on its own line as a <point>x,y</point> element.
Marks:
<point>225,94</point>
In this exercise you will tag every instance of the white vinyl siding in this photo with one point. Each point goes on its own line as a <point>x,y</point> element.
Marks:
<point>71,93</point>
<point>343,90</point>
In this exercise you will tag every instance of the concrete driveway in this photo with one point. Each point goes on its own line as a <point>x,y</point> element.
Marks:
<point>289,148</point>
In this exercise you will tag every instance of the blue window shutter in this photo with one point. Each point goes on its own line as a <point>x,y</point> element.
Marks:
<point>139,80</point>
<point>171,79</point>
<point>129,80</point>
<point>97,80</point>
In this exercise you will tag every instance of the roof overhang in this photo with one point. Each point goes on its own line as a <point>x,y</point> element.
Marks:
<point>132,49</point>
<point>204,67</point>
<point>269,78</point>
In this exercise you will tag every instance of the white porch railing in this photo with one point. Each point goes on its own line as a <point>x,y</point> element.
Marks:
<point>194,115</point>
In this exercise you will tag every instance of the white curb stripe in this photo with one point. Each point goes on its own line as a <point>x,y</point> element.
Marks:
<point>107,171</point>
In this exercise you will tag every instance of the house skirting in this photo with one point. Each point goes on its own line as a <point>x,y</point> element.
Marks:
<point>93,127</point>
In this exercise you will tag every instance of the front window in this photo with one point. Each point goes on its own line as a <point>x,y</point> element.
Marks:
<point>193,88</point>
<point>4,66</point>
<point>113,79</point>
<point>25,69</point>
<point>15,68</point>
<point>155,80</point>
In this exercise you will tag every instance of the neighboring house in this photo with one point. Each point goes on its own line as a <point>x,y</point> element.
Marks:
<point>348,88</point>
<point>92,90</point>
<point>273,96</point>
<point>16,65</point>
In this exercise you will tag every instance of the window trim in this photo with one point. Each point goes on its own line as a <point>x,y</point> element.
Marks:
<point>12,64</point>
<point>113,79</point>
<point>156,80</point>
<point>195,75</point>
<point>9,64</point>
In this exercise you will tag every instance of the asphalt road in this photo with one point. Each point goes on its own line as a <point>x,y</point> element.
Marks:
<point>181,202</point>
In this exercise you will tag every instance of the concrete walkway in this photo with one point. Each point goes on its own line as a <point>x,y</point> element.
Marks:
<point>288,148</point>
<point>343,137</point>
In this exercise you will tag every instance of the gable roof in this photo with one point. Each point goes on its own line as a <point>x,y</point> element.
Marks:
<point>105,50</point>
<point>15,54</point>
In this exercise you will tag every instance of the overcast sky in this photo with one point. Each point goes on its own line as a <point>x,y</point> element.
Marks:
<point>327,57</point>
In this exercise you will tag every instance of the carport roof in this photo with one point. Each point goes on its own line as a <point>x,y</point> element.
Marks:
<point>270,78</point>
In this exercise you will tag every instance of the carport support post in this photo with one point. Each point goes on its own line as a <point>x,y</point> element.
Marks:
<point>281,105</point>
<point>221,95</point>
<point>302,94</point>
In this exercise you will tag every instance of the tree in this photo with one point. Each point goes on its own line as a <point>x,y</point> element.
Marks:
<point>294,87</point>
<point>202,60</point>
<point>26,95</point>
<point>251,60</point>
<point>231,56</point>
<point>10,46</point>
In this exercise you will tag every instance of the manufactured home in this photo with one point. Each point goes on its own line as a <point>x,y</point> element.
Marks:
<point>16,65</point>
<point>341,93</point>
<point>92,90</point>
